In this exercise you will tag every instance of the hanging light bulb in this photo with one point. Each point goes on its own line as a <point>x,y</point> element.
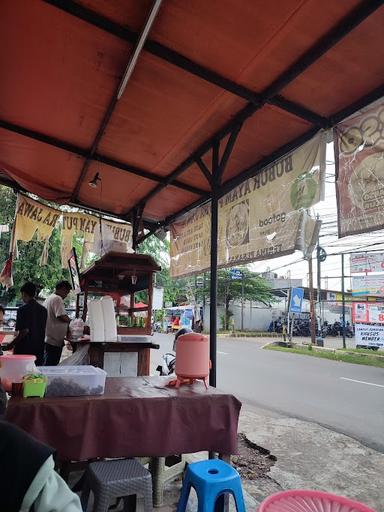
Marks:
<point>94,181</point>
<point>134,279</point>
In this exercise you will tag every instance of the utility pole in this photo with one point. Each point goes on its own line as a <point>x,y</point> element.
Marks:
<point>318,279</point>
<point>343,298</point>
<point>311,302</point>
<point>242,302</point>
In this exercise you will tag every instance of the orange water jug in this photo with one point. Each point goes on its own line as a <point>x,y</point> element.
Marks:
<point>192,358</point>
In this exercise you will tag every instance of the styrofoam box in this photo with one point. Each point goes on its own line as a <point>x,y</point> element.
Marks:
<point>74,380</point>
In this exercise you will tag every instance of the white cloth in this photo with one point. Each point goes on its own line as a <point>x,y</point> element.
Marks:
<point>110,328</point>
<point>56,329</point>
<point>96,320</point>
<point>49,493</point>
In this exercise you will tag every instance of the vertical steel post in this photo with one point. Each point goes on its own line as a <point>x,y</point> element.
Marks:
<point>311,302</point>
<point>319,285</point>
<point>242,302</point>
<point>213,289</point>
<point>343,298</point>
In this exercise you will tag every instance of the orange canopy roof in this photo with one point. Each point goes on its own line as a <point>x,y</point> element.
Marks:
<point>279,70</point>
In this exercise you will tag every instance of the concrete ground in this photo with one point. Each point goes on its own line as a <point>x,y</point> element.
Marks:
<point>308,456</point>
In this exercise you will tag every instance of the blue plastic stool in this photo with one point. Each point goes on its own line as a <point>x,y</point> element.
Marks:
<point>211,479</point>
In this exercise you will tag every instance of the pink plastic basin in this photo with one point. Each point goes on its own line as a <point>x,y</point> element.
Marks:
<point>310,501</point>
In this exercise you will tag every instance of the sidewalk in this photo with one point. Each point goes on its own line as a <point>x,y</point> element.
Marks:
<point>307,456</point>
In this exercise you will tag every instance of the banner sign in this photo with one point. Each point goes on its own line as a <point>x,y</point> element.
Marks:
<point>367,262</point>
<point>359,159</point>
<point>369,335</point>
<point>260,219</point>
<point>190,249</point>
<point>368,285</point>
<point>296,300</point>
<point>363,312</point>
<point>34,219</point>
<point>88,227</point>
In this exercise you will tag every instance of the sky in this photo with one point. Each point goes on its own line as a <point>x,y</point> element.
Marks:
<point>331,268</point>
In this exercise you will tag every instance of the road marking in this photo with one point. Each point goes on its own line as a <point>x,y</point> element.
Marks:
<point>223,353</point>
<point>363,382</point>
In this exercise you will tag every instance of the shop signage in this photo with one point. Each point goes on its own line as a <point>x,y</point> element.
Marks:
<point>368,285</point>
<point>367,262</point>
<point>359,144</point>
<point>296,300</point>
<point>369,335</point>
<point>260,219</point>
<point>363,312</point>
<point>36,220</point>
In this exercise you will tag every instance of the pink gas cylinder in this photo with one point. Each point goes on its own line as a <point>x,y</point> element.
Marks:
<point>192,358</point>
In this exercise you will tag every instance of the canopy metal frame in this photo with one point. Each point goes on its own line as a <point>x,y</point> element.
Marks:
<point>271,95</point>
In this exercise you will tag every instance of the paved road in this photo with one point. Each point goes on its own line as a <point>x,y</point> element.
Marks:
<point>345,397</point>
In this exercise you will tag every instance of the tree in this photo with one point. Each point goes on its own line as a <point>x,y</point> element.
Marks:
<point>250,287</point>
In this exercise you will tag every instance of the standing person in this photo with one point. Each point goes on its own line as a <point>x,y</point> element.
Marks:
<point>57,323</point>
<point>31,321</point>
<point>2,313</point>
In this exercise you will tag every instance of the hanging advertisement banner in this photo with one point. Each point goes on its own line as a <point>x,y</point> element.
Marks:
<point>190,249</point>
<point>363,312</point>
<point>260,219</point>
<point>88,227</point>
<point>369,335</point>
<point>367,262</point>
<point>359,159</point>
<point>34,219</point>
<point>368,285</point>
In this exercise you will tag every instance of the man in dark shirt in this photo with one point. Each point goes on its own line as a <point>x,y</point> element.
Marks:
<point>31,320</point>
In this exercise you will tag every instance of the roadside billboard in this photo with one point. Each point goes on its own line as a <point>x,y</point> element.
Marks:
<point>369,335</point>
<point>367,262</point>
<point>368,285</point>
<point>363,312</point>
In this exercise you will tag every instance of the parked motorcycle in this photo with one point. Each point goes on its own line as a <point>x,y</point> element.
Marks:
<point>167,367</point>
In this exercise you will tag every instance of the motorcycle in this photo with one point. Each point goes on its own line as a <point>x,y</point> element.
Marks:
<point>167,367</point>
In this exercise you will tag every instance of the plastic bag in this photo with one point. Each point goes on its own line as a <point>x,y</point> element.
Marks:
<point>81,356</point>
<point>76,328</point>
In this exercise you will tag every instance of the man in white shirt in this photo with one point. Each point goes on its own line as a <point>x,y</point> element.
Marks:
<point>57,323</point>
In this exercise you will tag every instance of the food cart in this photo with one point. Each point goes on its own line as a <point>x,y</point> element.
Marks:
<point>128,279</point>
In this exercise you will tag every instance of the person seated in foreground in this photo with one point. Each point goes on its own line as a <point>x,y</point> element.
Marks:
<point>3,401</point>
<point>28,480</point>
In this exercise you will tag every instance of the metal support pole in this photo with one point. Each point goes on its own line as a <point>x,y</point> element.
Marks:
<point>242,302</point>
<point>343,298</point>
<point>319,285</point>
<point>213,290</point>
<point>312,303</point>
<point>288,304</point>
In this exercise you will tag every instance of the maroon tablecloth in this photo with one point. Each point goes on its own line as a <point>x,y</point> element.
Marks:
<point>137,416</point>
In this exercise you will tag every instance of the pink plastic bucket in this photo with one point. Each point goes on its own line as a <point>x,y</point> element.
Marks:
<point>14,367</point>
<point>192,356</point>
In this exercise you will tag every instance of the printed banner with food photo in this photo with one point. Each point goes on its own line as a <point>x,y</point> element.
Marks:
<point>260,219</point>
<point>359,158</point>
<point>190,249</point>
<point>264,217</point>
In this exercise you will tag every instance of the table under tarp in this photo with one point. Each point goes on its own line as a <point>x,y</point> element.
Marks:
<point>136,416</point>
